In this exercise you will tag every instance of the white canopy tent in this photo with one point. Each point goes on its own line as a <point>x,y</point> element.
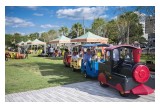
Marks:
<point>37,43</point>
<point>20,43</point>
<point>26,44</point>
<point>61,40</point>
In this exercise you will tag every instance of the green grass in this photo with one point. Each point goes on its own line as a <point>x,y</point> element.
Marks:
<point>36,73</point>
<point>39,72</point>
<point>145,58</point>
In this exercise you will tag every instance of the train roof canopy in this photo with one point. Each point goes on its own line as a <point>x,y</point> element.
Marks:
<point>119,46</point>
<point>96,45</point>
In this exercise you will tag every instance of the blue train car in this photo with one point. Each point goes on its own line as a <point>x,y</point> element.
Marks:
<point>90,68</point>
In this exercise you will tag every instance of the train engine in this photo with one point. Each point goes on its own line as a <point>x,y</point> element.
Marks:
<point>123,71</point>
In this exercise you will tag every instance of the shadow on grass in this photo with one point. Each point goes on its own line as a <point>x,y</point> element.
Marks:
<point>58,73</point>
<point>51,58</point>
<point>54,58</point>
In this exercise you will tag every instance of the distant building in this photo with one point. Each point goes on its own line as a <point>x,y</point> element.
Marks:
<point>150,30</point>
<point>151,40</point>
<point>145,35</point>
<point>149,24</point>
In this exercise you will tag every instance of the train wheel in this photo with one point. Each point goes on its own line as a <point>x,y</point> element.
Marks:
<point>85,75</point>
<point>102,84</point>
<point>123,94</point>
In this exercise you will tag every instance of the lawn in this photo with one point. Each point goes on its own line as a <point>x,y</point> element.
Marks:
<point>39,72</point>
<point>36,73</point>
<point>145,58</point>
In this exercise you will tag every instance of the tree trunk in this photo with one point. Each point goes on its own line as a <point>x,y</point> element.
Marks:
<point>128,34</point>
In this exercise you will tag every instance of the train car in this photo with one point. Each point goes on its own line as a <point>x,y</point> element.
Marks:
<point>75,61</point>
<point>75,64</point>
<point>7,55</point>
<point>123,71</point>
<point>91,67</point>
<point>20,56</point>
<point>13,55</point>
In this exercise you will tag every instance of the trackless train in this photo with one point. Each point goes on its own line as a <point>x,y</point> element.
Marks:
<point>120,68</point>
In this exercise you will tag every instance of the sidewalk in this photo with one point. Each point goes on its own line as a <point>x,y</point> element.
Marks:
<point>88,91</point>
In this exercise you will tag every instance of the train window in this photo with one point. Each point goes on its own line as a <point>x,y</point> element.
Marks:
<point>126,54</point>
<point>115,55</point>
<point>107,55</point>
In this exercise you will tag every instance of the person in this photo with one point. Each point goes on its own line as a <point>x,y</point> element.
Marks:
<point>107,55</point>
<point>66,53</point>
<point>127,56</point>
<point>51,51</point>
<point>93,51</point>
<point>54,52</point>
<point>19,50</point>
<point>59,53</point>
<point>26,52</point>
<point>94,57</point>
<point>48,51</point>
<point>99,53</point>
<point>75,56</point>
<point>87,56</point>
<point>81,53</point>
<point>22,50</point>
<point>7,55</point>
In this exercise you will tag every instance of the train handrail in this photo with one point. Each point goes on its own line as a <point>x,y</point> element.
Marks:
<point>120,75</point>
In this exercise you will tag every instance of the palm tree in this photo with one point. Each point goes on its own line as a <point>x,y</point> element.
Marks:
<point>64,31</point>
<point>77,30</point>
<point>98,26</point>
<point>44,36</point>
<point>125,21</point>
<point>52,34</point>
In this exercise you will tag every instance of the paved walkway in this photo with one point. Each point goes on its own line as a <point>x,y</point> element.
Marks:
<point>89,91</point>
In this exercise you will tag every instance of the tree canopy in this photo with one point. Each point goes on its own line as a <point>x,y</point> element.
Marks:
<point>126,28</point>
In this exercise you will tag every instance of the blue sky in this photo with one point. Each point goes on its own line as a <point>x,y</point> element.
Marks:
<point>30,19</point>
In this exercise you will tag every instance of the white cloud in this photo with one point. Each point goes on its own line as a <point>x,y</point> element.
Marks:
<point>49,26</point>
<point>141,16</point>
<point>31,7</point>
<point>88,13</point>
<point>38,14</point>
<point>17,22</point>
<point>114,18</point>
<point>13,32</point>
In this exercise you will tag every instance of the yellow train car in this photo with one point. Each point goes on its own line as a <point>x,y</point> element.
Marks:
<point>76,64</point>
<point>13,55</point>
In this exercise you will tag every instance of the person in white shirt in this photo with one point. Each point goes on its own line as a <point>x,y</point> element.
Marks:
<point>75,56</point>
<point>51,51</point>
